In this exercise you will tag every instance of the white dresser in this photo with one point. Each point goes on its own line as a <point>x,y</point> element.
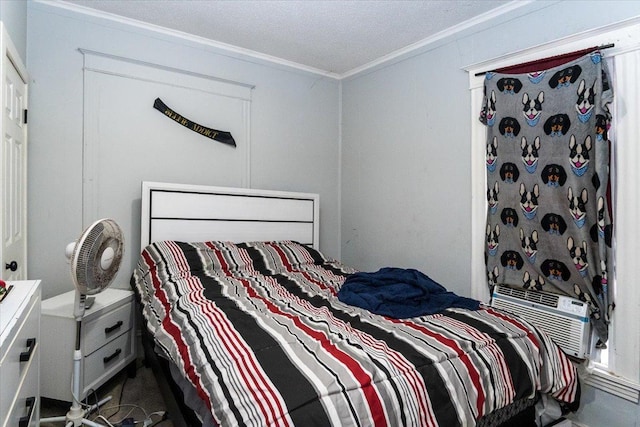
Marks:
<point>107,341</point>
<point>20,355</point>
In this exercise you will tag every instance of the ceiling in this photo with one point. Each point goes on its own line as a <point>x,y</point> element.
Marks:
<point>328,36</point>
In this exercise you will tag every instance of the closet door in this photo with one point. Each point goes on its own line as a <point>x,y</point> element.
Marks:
<point>13,163</point>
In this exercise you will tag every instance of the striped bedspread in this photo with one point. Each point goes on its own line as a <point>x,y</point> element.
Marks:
<point>259,332</point>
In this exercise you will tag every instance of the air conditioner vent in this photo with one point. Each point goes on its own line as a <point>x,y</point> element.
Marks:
<point>545,298</point>
<point>563,318</point>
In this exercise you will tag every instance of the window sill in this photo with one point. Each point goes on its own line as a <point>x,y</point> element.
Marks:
<point>613,384</point>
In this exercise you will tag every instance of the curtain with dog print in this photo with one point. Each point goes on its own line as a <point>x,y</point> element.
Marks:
<point>549,222</point>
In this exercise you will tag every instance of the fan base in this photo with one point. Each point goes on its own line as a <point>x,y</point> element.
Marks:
<point>76,414</point>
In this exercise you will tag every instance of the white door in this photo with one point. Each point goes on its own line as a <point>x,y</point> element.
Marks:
<point>13,167</point>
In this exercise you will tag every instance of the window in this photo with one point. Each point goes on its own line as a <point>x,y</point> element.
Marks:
<point>617,369</point>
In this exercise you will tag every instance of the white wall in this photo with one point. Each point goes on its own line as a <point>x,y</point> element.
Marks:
<point>13,13</point>
<point>405,169</point>
<point>406,182</point>
<point>294,130</point>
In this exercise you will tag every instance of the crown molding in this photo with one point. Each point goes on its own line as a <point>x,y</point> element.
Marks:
<point>220,48</point>
<point>261,58</point>
<point>436,39</point>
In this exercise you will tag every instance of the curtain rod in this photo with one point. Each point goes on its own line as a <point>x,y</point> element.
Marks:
<point>602,47</point>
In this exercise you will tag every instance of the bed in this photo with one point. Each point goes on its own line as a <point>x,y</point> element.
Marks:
<point>241,309</point>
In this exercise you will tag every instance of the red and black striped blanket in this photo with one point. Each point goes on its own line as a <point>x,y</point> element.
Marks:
<point>258,331</point>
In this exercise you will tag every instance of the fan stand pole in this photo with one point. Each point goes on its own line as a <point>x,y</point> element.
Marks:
<point>76,414</point>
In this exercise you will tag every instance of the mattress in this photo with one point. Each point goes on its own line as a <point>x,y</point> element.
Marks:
<point>257,331</point>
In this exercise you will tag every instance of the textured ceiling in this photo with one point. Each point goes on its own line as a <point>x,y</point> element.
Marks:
<point>330,36</point>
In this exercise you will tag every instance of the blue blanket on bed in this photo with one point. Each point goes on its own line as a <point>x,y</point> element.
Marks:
<point>400,293</point>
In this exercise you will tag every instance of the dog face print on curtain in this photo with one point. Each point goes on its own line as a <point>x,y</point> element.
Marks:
<point>547,161</point>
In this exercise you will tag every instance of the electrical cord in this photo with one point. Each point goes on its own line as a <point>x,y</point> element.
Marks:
<point>126,420</point>
<point>86,403</point>
<point>165,416</point>
<point>127,417</point>
<point>100,417</point>
<point>101,411</point>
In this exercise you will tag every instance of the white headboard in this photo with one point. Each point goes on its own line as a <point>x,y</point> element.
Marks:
<point>191,213</point>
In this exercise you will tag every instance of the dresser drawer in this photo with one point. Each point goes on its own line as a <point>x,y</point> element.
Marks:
<point>26,406</point>
<point>107,358</point>
<point>20,356</point>
<point>100,331</point>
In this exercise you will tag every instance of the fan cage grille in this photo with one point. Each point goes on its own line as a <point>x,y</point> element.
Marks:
<point>88,275</point>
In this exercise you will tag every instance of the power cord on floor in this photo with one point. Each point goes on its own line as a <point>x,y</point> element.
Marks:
<point>100,412</point>
<point>163,417</point>
<point>130,422</point>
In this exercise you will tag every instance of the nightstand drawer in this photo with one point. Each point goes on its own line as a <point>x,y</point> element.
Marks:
<point>103,329</point>
<point>105,359</point>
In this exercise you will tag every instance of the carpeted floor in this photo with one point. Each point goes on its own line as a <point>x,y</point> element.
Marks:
<point>137,398</point>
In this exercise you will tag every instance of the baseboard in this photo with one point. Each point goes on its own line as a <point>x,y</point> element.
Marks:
<point>562,422</point>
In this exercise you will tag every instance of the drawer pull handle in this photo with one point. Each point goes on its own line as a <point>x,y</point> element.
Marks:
<point>26,355</point>
<point>113,356</point>
<point>31,404</point>
<point>110,329</point>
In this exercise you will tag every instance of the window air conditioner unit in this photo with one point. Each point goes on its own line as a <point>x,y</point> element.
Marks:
<point>564,319</point>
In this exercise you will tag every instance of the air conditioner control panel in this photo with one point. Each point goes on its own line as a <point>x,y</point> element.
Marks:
<point>574,306</point>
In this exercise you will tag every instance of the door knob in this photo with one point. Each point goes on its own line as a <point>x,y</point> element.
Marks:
<point>13,266</point>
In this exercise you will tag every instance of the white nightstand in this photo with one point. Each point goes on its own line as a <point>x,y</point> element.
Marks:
<point>20,355</point>
<point>107,338</point>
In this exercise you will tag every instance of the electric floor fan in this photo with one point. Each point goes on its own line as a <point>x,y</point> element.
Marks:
<point>95,258</point>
